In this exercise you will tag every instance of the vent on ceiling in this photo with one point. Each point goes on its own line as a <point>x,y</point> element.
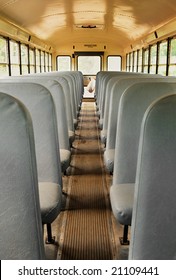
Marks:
<point>89,26</point>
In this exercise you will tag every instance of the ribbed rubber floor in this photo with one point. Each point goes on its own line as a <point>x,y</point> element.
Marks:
<point>87,232</point>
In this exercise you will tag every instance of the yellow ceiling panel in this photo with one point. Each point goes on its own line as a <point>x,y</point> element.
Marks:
<point>51,20</point>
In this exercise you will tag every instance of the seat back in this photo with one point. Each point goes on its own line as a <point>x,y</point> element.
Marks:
<point>154,214</point>
<point>39,102</point>
<point>66,89</point>
<point>20,219</point>
<point>103,86</point>
<point>72,87</point>
<point>57,93</point>
<point>107,88</point>
<point>116,92</point>
<point>110,89</point>
<point>133,104</point>
<point>100,84</point>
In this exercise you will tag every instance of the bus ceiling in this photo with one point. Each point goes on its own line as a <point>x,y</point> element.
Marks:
<point>88,25</point>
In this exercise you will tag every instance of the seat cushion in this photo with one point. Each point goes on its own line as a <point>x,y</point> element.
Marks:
<point>109,159</point>
<point>122,197</point>
<point>100,125</point>
<point>98,113</point>
<point>71,137</point>
<point>103,136</point>
<point>75,122</point>
<point>65,157</point>
<point>50,201</point>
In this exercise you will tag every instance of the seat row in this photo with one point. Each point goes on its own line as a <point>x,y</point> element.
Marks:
<point>38,117</point>
<point>124,102</point>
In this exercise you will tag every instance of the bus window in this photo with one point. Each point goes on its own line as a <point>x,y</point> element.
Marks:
<point>24,59</point>
<point>4,70</point>
<point>135,61</point>
<point>172,65</point>
<point>131,62</point>
<point>46,61</point>
<point>64,63</point>
<point>32,61</point>
<point>14,58</point>
<point>89,65</point>
<point>162,58</point>
<point>128,62</point>
<point>50,63</point>
<point>42,54</point>
<point>139,61</point>
<point>114,63</point>
<point>38,63</point>
<point>146,58</point>
<point>153,56</point>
